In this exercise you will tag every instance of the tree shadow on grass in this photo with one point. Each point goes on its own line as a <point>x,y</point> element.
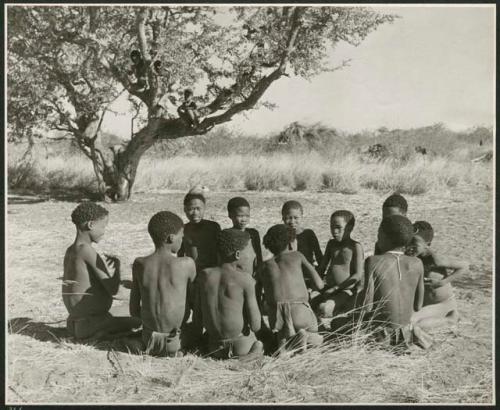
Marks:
<point>45,332</point>
<point>30,196</point>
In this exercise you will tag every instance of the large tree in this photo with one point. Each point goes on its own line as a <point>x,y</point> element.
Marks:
<point>66,65</point>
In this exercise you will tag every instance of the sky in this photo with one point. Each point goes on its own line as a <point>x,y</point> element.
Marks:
<point>434,64</point>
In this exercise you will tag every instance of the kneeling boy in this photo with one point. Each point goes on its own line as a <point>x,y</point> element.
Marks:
<point>159,288</point>
<point>285,290</point>
<point>394,286</point>
<point>89,281</point>
<point>227,299</point>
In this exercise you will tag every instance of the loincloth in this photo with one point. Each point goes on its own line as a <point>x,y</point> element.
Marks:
<point>225,348</point>
<point>281,320</point>
<point>401,338</point>
<point>87,326</point>
<point>161,344</point>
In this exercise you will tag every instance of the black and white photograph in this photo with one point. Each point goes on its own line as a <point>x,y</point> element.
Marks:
<point>247,203</point>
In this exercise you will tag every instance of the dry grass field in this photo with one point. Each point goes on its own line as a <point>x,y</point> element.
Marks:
<point>46,366</point>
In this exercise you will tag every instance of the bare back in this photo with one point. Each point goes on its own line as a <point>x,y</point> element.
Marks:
<point>82,292</point>
<point>162,281</point>
<point>227,302</point>
<point>394,287</point>
<point>283,279</point>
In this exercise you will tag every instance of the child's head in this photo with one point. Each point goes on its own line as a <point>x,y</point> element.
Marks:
<point>395,231</point>
<point>166,228</point>
<point>292,212</point>
<point>341,225</point>
<point>90,217</point>
<point>188,93</point>
<point>238,210</point>
<point>194,206</point>
<point>422,238</point>
<point>135,55</point>
<point>394,205</point>
<point>234,244</point>
<point>278,237</point>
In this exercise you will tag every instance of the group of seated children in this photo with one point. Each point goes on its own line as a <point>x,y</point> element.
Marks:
<point>209,289</point>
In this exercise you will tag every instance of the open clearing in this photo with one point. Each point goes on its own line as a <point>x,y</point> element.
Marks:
<point>45,366</point>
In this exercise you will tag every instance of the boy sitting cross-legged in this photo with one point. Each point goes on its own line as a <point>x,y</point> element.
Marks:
<point>440,305</point>
<point>91,281</point>
<point>343,263</point>
<point>285,291</point>
<point>394,286</point>
<point>159,286</point>
<point>227,299</point>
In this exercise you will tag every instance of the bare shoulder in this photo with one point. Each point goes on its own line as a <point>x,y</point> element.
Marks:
<point>184,262</point>
<point>84,251</point>
<point>294,255</point>
<point>414,262</point>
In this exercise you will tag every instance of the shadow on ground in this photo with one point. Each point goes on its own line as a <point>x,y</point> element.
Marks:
<point>46,332</point>
<point>24,196</point>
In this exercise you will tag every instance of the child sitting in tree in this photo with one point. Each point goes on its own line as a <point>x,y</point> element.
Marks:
<point>343,264</point>
<point>227,299</point>
<point>394,286</point>
<point>305,240</point>
<point>188,110</point>
<point>160,283</point>
<point>394,204</point>
<point>285,292</point>
<point>439,305</point>
<point>91,281</point>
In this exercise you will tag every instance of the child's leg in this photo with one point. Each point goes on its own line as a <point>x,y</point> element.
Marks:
<point>247,345</point>
<point>436,315</point>
<point>314,339</point>
<point>105,326</point>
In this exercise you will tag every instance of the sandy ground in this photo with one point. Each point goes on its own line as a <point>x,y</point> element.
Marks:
<point>44,366</point>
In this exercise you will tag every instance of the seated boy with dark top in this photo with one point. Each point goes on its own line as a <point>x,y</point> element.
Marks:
<point>200,235</point>
<point>343,263</point>
<point>305,240</point>
<point>440,306</point>
<point>199,243</point>
<point>394,204</point>
<point>227,299</point>
<point>159,286</point>
<point>188,110</point>
<point>394,286</point>
<point>285,292</point>
<point>90,281</point>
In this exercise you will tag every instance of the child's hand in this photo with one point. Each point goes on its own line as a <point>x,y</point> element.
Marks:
<point>112,263</point>
<point>433,283</point>
<point>331,290</point>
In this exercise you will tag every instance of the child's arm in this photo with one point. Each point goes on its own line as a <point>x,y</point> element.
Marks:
<point>258,249</point>
<point>318,282</point>
<point>135,294</point>
<point>456,266</point>
<point>325,260</point>
<point>251,307</point>
<point>110,283</point>
<point>358,257</point>
<point>318,255</point>
<point>419,294</point>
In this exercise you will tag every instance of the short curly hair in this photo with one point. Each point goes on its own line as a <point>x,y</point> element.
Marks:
<point>162,224</point>
<point>235,203</point>
<point>88,211</point>
<point>278,237</point>
<point>348,217</point>
<point>424,230</point>
<point>194,195</point>
<point>231,240</point>
<point>398,230</point>
<point>396,201</point>
<point>289,205</point>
